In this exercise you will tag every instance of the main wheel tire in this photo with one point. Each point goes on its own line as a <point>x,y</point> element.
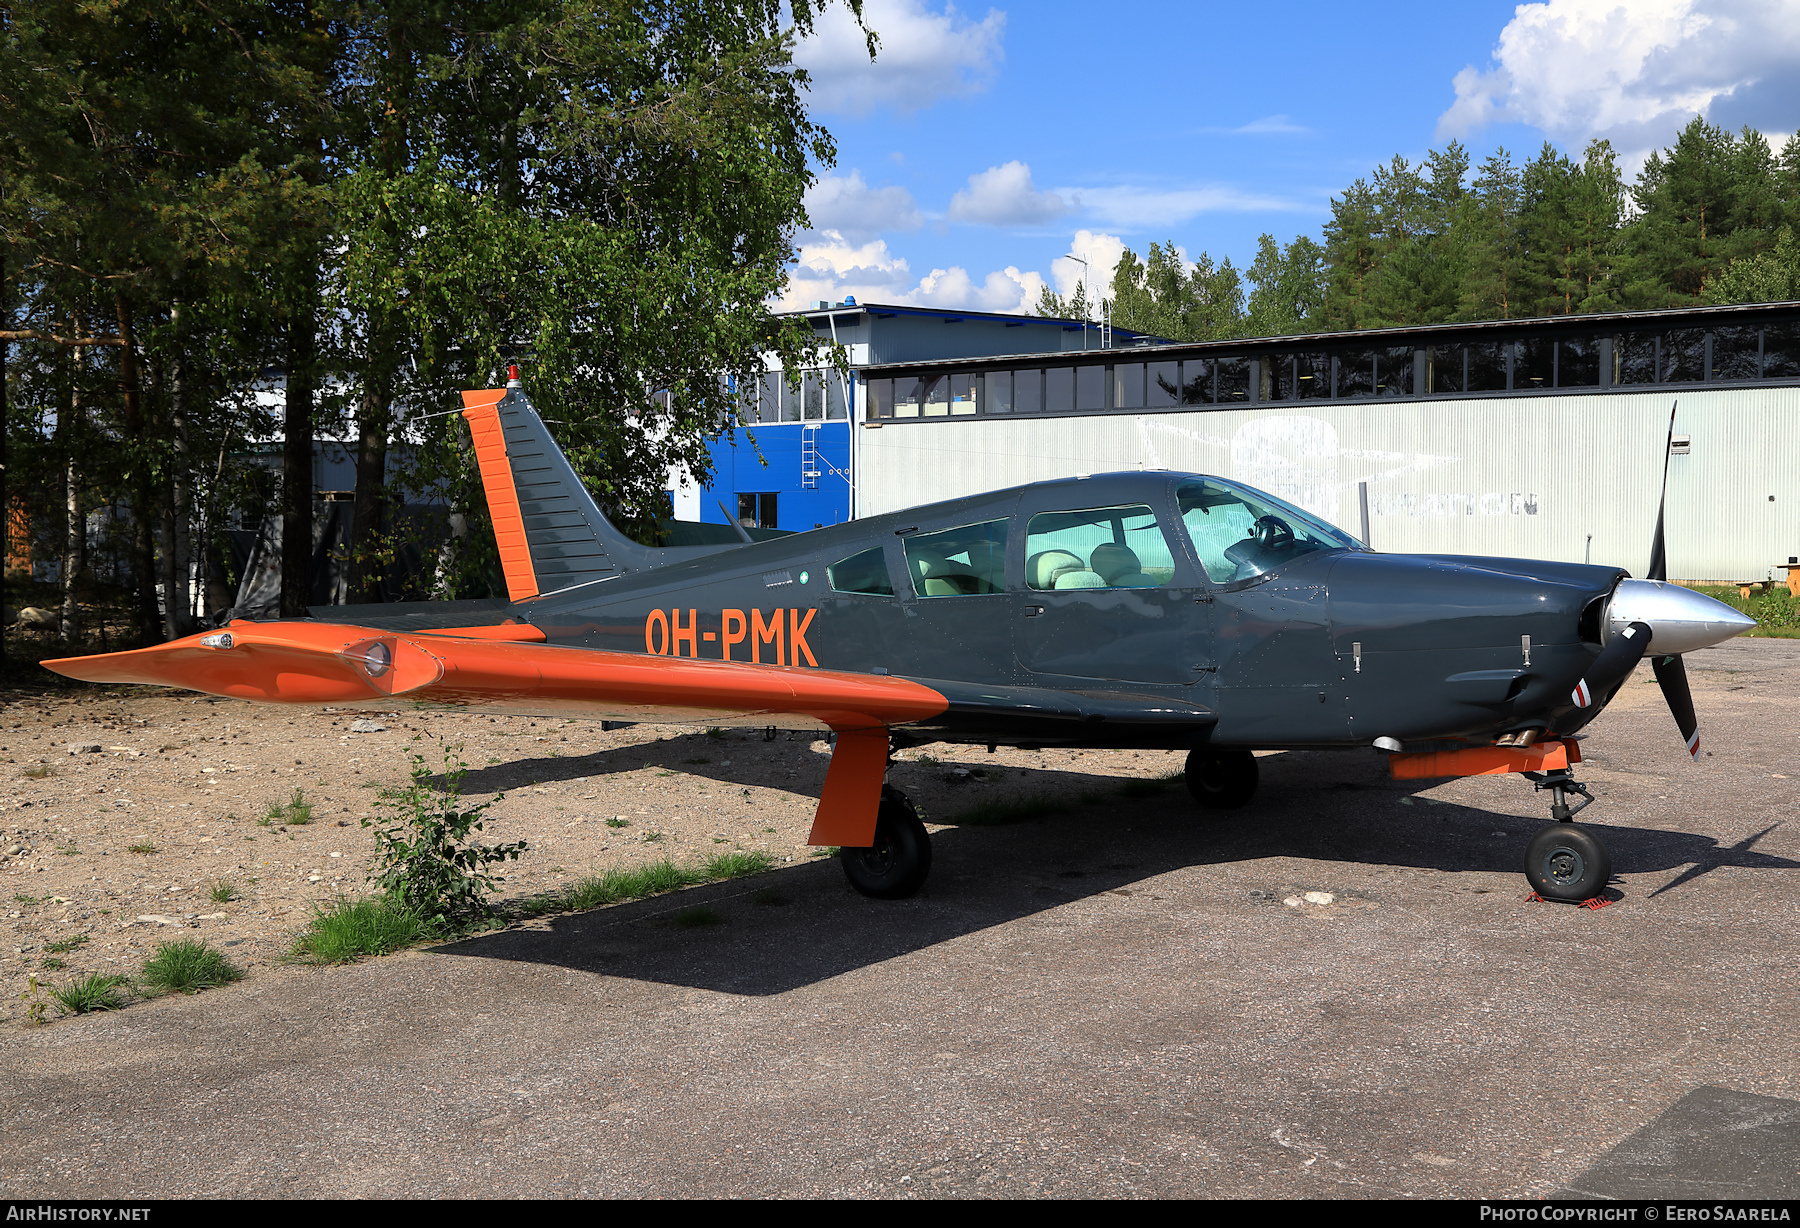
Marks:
<point>898,862</point>
<point>1566,862</point>
<point>1221,779</point>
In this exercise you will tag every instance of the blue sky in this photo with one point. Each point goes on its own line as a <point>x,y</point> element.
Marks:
<point>984,143</point>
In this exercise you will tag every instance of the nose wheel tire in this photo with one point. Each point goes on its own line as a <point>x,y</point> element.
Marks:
<point>897,864</point>
<point>1566,862</point>
<point>1221,779</point>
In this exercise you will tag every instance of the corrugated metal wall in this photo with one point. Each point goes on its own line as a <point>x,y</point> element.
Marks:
<point>1574,478</point>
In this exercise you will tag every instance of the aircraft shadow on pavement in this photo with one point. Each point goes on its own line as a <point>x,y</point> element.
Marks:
<point>803,924</point>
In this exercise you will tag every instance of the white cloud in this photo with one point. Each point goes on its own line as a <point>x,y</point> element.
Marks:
<point>1131,207</point>
<point>925,56</point>
<point>1268,125</point>
<point>1101,251</point>
<point>1005,196</point>
<point>858,212</point>
<point>831,267</point>
<point>1589,68</point>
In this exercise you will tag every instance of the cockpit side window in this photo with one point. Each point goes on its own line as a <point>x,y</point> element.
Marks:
<point>1099,547</point>
<point>861,573</point>
<point>958,562</point>
<point>1239,533</point>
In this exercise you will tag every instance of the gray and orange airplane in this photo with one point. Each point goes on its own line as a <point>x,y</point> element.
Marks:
<point>1146,610</point>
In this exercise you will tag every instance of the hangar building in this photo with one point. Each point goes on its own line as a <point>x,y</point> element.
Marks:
<point>1539,438</point>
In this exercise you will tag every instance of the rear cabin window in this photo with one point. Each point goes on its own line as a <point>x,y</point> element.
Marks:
<point>1099,547</point>
<point>861,573</point>
<point>959,562</point>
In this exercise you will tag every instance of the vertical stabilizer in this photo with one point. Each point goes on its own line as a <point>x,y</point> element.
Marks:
<point>551,535</point>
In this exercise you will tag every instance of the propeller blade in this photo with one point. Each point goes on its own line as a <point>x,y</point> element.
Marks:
<point>1671,675</point>
<point>1616,660</point>
<point>1659,555</point>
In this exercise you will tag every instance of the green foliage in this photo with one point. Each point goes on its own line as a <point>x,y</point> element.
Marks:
<point>425,863</point>
<point>64,946</point>
<point>95,992</point>
<point>295,812</point>
<point>143,848</point>
<point>188,966</point>
<point>224,892</point>
<point>996,812</point>
<point>343,931</point>
<point>1772,276</point>
<point>735,865</point>
<point>1776,611</point>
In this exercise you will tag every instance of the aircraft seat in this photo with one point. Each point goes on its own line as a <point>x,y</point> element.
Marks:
<point>1042,568</point>
<point>1111,560</point>
<point>1080,579</point>
<point>989,561</point>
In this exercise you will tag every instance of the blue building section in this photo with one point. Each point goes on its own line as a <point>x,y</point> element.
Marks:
<point>790,463</point>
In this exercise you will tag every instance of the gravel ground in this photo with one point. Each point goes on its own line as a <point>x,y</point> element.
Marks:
<point>122,811</point>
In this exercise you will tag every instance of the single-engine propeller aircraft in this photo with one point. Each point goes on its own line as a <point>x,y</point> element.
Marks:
<point>1143,609</point>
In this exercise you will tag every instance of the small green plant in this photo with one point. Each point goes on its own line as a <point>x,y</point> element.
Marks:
<point>52,965</point>
<point>295,812</point>
<point>33,998</point>
<point>824,850</point>
<point>224,891</point>
<point>616,886</point>
<point>996,812</point>
<point>188,966</point>
<point>26,899</point>
<point>615,822</point>
<point>64,946</point>
<point>98,991</point>
<point>698,915</point>
<point>425,862</point>
<point>929,761</point>
<point>715,733</point>
<point>143,847</point>
<point>67,848</point>
<point>736,865</point>
<point>346,930</point>
<point>653,837</point>
<point>37,771</point>
<point>265,821</point>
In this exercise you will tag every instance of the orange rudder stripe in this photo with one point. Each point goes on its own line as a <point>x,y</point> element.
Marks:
<point>483,414</point>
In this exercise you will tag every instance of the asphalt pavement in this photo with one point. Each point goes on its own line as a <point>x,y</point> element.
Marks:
<point>1130,1000</point>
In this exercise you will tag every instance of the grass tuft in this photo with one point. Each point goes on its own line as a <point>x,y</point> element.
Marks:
<point>188,966</point>
<point>37,771</point>
<point>295,812</point>
<point>736,865</point>
<point>224,891</point>
<point>346,930</point>
<point>66,945</point>
<point>98,991</point>
<point>997,812</point>
<point>143,847</point>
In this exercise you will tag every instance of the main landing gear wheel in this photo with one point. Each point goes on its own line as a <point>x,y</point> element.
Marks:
<point>896,866</point>
<point>1566,862</point>
<point>1221,779</point>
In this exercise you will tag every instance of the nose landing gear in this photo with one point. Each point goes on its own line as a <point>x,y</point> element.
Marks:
<point>1564,861</point>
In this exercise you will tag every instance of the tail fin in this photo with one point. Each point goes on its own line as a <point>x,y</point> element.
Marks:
<point>551,535</point>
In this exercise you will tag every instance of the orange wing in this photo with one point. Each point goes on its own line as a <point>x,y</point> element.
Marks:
<point>499,668</point>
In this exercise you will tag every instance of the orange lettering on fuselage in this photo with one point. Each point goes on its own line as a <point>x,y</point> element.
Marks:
<point>784,631</point>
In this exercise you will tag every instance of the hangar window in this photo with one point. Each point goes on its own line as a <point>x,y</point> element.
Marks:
<point>1059,389</point>
<point>1128,385</point>
<point>906,396</point>
<point>1234,378</point>
<point>1781,351</point>
<point>1103,547</point>
<point>1312,376</point>
<point>1356,373</point>
<point>1239,533</point>
<point>1197,381</point>
<point>1443,369</point>
<point>1734,353</point>
<point>866,572</point>
<point>1488,366</point>
<point>1578,362</point>
<point>959,562</point>
<point>934,396</point>
<point>1534,364</point>
<point>1028,392</point>
<point>1090,387</point>
<point>999,393</point>
<point>1162,385</point>
<point>1277,377</point>
<point>965,393</point>
<point>1394,371</point>
<point>1684,356</point>
<point>1634,359</point>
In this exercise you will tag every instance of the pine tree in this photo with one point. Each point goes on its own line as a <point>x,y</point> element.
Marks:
<point>1490,232</point>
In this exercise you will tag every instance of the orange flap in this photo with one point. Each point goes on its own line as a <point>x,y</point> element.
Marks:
<point>1484,760</point>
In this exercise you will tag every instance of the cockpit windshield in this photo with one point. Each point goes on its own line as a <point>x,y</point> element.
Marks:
<point>1240,533</point>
